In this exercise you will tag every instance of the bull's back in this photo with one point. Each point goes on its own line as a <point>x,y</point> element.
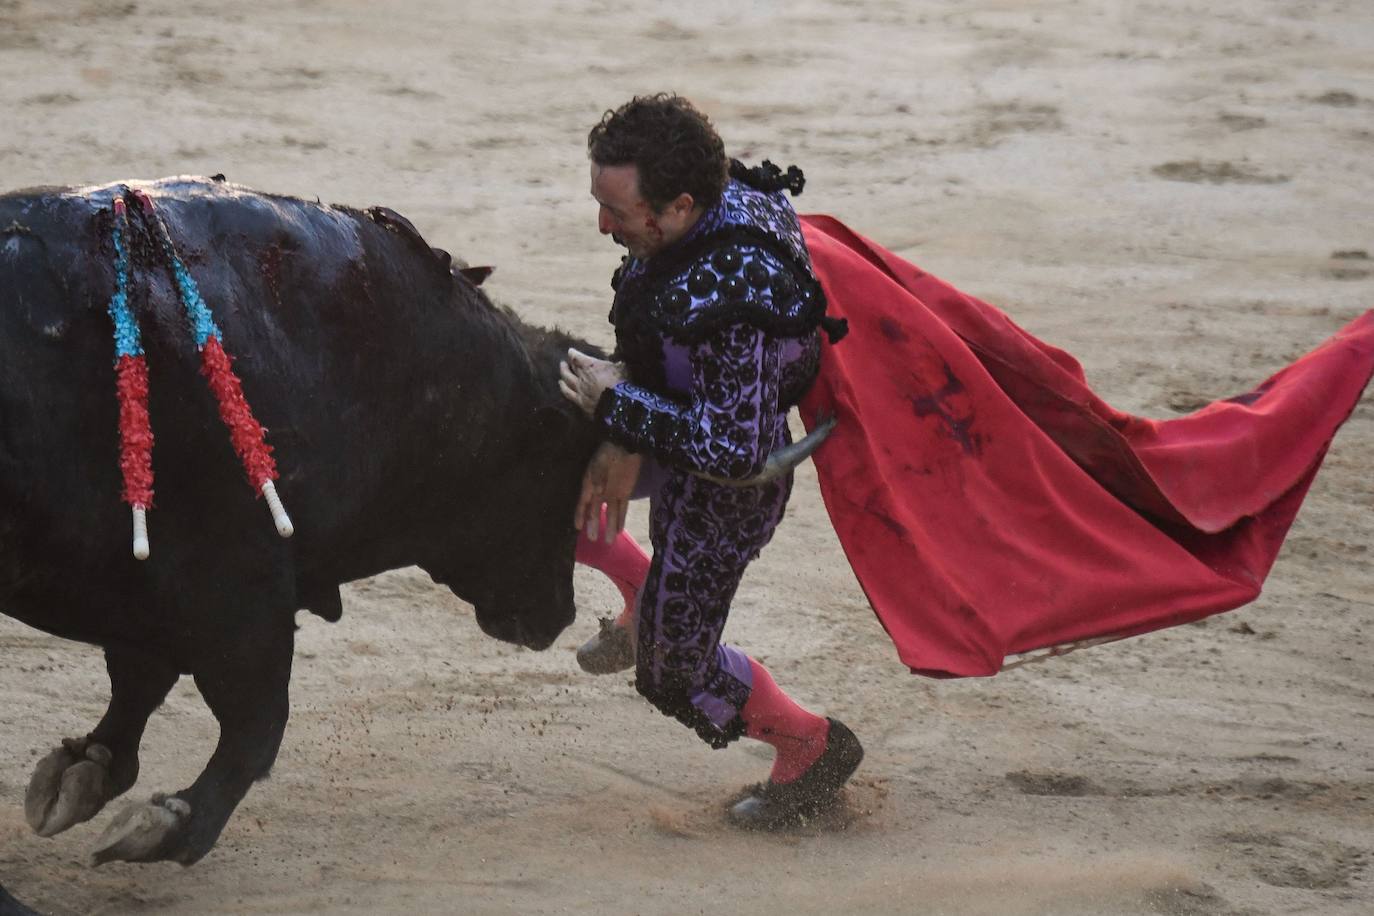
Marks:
<point>56,383</point>
<point>354,344</point>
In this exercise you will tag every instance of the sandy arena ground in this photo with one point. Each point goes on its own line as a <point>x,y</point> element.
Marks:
<point>1177,192</point>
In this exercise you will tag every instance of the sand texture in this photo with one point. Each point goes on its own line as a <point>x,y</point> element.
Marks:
<point>1176,192</point>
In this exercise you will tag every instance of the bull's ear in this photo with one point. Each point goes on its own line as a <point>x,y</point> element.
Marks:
<point>474,275</point>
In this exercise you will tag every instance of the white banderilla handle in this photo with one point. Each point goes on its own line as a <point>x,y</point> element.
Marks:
<point>279,516</point>
<point>140,533</point>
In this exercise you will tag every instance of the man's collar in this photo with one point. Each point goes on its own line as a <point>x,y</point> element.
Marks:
<point>706,222</point>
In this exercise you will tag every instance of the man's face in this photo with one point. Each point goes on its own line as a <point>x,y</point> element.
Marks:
<point>626,216</point>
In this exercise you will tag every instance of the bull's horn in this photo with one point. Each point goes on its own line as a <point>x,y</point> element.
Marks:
<point>783,460</point>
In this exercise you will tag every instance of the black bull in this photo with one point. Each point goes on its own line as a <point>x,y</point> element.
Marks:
<point>413,424</point>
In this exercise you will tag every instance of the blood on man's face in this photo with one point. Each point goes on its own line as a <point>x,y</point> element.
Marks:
<point>628,218</point>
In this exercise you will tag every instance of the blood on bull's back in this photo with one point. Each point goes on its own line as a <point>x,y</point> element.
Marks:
<point>376,373</point>
<point>410,422</point>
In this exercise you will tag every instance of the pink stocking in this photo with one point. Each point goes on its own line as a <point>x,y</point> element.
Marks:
<point>775,718</point>
<point>622,561</point>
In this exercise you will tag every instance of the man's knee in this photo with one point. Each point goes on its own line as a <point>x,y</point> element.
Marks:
<point>671,693</point>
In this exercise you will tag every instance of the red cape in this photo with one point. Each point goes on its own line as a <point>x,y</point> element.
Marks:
<point>991,504</point>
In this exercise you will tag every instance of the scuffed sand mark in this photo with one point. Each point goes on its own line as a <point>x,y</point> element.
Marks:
<point>108,10</point>
<point>667,30</point>
<point>1252,787</point>
<point>673,823</point>
<point>1239,122</point>
<point>1338,98</point>
<point>1193,900</point>
<point>1220,172</point>
<point>1351,264</point>
<point>1062,785</point>
<point>404,91</point>
<point>1071,886</point>
<point>860,799</point>
<point>1294,860</point>
<point>1346,273</point>
<point>50,98</point>
<point>17,31</point>
<point>1002,119</point>
<point>13,38</point>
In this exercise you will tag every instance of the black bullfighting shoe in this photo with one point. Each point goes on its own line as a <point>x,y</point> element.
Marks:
<point>772,805</point>
<point>612,649</point>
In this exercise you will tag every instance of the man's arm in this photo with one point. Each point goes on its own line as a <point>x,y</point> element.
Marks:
<point>609,481</point>
<point>611,474</point>
<point>725,428</point>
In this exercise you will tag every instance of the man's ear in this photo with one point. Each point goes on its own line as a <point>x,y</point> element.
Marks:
<point>682,204</point>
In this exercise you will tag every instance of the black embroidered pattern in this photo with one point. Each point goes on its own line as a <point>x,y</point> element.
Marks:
<point>768,177</point>
<point>724,428</point>
<point>798,374</point>
<point>733,309</point>
<point>738,281</point>
<point>672,697</point>
<point>750,267</point>
<point>643,421</point>
<point>704,535</point>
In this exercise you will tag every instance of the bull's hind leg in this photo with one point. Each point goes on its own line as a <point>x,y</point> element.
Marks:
<point>244,681</point>
<point>72,783</point>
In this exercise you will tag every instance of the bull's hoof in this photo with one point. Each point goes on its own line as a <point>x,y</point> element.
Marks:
<point>612,649</point>
<point>141,832</point>
<point>67,787</point>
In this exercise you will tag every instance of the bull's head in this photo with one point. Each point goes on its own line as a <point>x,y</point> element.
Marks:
<point>529,599</point>
<point>517,572</point>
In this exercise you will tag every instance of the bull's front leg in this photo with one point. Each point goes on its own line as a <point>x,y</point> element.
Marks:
<point>244,680</point>
<point>72,783</point>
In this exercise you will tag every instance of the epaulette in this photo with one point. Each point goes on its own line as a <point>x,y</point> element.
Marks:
<point>736,275</point>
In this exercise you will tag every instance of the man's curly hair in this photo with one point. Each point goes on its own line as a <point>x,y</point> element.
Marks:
<point>672,144</point>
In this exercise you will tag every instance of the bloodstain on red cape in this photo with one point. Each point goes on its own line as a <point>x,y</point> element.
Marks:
<point>991,504</point>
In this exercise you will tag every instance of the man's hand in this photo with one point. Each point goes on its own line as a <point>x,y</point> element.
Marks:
<point>608,481</point>
<point>583,378</point>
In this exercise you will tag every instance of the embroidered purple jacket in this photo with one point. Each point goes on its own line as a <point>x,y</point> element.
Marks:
<point>719,337</point>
